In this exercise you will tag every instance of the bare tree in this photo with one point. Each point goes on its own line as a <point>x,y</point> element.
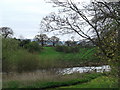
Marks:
<point>54,40</point>
<point>98,22</point>
<point>42,38</point>
<point>75,19</point>
<point>6,32</point>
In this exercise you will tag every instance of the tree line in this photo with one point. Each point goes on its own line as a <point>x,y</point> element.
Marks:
<point>42,39</point>
<point>7,32</point>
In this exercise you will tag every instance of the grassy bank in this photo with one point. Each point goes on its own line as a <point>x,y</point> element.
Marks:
<point>100,82</point>
<point>64,80</point>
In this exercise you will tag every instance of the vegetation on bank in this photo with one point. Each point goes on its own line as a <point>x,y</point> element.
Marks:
<point>75,80</point>
<point>85,57</point>
<point>28,59</point>
<point>99,82</point>
<point>16,58</point>
<point>21,56</point>
<point>64,80</point>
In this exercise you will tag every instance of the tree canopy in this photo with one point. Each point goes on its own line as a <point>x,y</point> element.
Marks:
<point>42,38</point>
<point>6,32</point>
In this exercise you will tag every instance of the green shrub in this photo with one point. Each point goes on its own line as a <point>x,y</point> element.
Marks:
<point>67,49</point>
<point>23,43</point>
<point>59,48</point>
<point>26,61</point>
<point>6,65</point>
<point>9,46</point>
<point>33,47</point>
<point>75,49</point>
<point>16,58</point>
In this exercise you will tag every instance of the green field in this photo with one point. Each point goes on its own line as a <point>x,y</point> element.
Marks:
<point>86,56</point>
<point>83,54</point>
<point>49,52</point>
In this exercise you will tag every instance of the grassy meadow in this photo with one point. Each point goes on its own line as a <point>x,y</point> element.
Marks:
<point>85,56</point>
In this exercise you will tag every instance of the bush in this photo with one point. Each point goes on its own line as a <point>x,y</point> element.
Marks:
<point>9,46</point>
<point>15,58</point>
<point>26,61</point>
<point>67,49</point>
<point>59,48</point>
<point>6,65</point>
<point>33,47</point>
<point>23,43</point>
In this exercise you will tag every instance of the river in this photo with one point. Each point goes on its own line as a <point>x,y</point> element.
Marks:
<point>104,68</point>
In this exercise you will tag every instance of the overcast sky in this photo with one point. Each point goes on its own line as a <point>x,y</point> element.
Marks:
<point>24,16</point>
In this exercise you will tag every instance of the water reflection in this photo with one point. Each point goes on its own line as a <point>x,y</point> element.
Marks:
<point>104,68</point>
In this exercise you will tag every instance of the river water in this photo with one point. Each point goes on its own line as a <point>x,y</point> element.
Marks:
<point>104,68</point>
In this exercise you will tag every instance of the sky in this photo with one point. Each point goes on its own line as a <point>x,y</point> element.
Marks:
<point>24,16</point>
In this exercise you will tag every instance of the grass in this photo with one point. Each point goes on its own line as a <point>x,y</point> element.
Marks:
<point>64,80</point>
<point>84,53</point>
<point>51,53</point>
<point>100,82</point>
<point>50,57</point>
<point>75,80</point>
